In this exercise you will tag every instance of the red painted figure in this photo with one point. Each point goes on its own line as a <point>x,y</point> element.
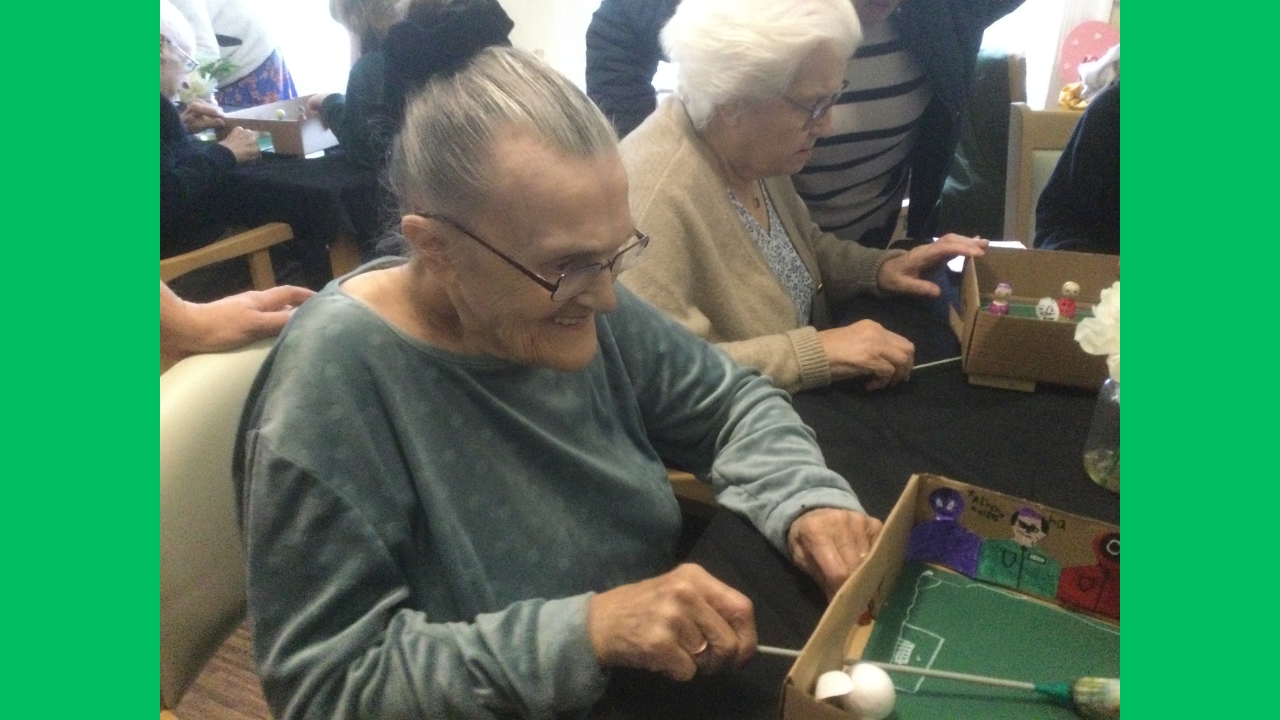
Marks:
<point>1067,303</point>
<point>1095,587</point>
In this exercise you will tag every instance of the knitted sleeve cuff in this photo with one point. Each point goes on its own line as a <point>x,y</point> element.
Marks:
<point>815,371</point>
<point>872,286</point>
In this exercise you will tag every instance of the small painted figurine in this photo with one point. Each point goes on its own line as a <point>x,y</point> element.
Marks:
<point>1067,303</point>
<point>1047,309</point>
<point>1000,299</point>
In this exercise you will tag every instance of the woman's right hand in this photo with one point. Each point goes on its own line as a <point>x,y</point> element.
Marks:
<point>243,144</point>
<point>866,348</point>
<point>677,624</point>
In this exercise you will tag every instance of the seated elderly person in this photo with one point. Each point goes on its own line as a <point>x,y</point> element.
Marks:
<point>401,43</point>
<point>735,257</point>
<point>191,171</point>
<point>451,466</point>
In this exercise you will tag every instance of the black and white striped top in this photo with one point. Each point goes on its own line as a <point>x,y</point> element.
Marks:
<point>858,175</point>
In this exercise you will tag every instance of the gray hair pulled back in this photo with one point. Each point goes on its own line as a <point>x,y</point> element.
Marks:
<point>442,160</point>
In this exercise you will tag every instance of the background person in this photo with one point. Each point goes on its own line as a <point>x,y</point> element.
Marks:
<point>229,30</point>
<point>191,171</point>
<point>402,44</point>
<point>735,257</point>
<point>1079,208</point>
<point>495,532</point>
<point>894,128</point>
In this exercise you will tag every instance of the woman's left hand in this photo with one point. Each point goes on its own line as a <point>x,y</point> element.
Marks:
<point>830,543</point>
<point>202,116</point>
<point>905,274</point>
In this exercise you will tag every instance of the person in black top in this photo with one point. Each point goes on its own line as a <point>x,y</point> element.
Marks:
<point>191,171</point>
<point>1079,208</point>
<point>396,59</point>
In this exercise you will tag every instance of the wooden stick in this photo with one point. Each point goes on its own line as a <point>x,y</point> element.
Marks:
<point>946,674</point>
<point>1057,690</point>
<point>936,362</point>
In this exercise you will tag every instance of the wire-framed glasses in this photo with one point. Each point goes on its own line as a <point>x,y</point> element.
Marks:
<point>188,63</point>
<point>818,110</point>
<point>572,282</point>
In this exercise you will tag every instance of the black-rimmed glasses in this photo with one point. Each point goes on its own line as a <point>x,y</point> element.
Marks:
<point>817,111</point>
<point>568,284</point>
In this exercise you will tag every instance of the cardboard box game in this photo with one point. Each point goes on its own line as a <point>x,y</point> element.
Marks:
<point>1014,352</point>
<point>291,134</point>
<point>1070,572</point>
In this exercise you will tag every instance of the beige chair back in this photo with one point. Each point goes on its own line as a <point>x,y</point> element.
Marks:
<point>1036,140</point>
<point>202,566</point>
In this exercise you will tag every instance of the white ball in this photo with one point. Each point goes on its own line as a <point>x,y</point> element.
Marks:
<point>834,684</point>
<point>872,696</point>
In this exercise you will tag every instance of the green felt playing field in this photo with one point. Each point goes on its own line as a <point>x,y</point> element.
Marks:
<point>939,619</point>
<point>1028,310</point>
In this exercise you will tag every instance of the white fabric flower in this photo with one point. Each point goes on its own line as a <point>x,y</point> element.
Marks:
<point>197,86</point>
<point>1100,334</point>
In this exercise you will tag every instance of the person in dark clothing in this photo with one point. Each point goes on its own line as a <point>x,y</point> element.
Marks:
<point>622,56</point>
<point>1079,208</point>
<point>191,171</point>
<point>396,59</point>
<point>940,41</point>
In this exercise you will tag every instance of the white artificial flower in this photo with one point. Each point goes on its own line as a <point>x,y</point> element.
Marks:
<point>1100,334</point>
<point>198,86</point>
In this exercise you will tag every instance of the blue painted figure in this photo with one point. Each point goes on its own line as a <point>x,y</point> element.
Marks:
<point>944,540</point>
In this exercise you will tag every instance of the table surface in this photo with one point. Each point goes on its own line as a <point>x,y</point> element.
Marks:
<point>1028,445</point>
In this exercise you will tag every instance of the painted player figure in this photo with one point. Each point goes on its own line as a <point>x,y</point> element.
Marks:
<point>944,540</point>
<point>1095,587</point>
<point>1000,299</point>
<point>1017,563</point>
<point>1067,303</point>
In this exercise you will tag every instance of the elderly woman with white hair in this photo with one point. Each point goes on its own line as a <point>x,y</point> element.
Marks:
<point>735,256</point>
<point>451,465</point>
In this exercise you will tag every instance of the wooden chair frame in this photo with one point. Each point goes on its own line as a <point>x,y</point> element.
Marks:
<point>1030,131</point>
<point>255,244</point>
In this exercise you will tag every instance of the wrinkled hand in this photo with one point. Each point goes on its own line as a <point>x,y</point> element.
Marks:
<point>201,115</point>
<point>230,322</point>
<point>243,144</point>
<point>661,624</point>
<point>904,273</point>
<point>866,348</point>
<point>830,543</point>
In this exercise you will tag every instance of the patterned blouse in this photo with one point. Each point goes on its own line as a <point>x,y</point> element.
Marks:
<point>781,255</point>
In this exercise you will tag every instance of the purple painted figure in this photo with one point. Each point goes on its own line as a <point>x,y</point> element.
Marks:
<point>1000,299</point>
<point>944,540</point>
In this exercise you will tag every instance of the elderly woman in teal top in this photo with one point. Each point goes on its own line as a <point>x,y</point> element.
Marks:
<point>735,256</point>
<point>451,467</point>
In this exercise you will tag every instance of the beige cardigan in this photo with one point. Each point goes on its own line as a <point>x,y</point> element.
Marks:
<point>704,269</point>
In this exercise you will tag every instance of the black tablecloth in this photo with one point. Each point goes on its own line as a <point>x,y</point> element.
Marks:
<point>1023,444</point>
